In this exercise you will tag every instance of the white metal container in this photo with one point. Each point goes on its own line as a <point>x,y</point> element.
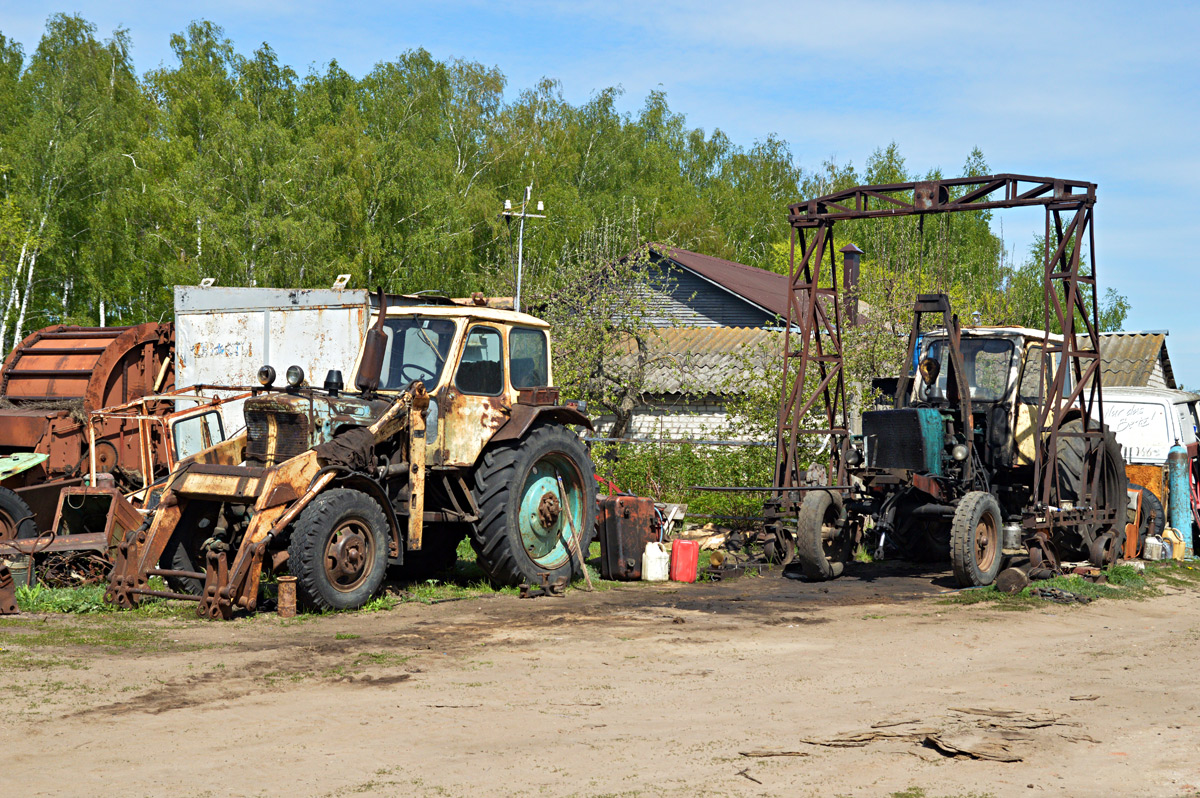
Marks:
<point>223,335</point>
<point>656,562</point>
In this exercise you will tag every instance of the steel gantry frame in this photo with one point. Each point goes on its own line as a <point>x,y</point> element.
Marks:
<point>1070,299</point>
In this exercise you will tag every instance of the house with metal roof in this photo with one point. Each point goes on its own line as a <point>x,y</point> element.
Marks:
<point>694,290</point>
<point>715,325</point>
<point>1136,359</point>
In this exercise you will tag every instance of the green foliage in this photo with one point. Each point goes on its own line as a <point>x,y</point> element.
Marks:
<point>79,600</point>
<point>666,471</point>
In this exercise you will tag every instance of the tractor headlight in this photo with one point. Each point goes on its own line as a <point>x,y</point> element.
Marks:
<point>266,375</point>
<point>854,458</point>
<point>295,376</point>
<point>959,452</point>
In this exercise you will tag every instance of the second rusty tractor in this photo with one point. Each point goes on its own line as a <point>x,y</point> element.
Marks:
<point>454,430</point>
<point>949,468</point>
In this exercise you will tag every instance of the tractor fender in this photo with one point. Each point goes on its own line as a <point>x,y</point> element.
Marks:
<point>20,462</point>
<point>523,417</point>
<point>372,489</point>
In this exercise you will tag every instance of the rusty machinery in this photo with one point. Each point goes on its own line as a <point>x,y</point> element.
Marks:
<point>1055,521</point>
<point>50,383</point>
<point>96,515</point>
<point>333,487</point>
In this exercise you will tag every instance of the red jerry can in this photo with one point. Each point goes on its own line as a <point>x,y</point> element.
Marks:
<point>685,560</point>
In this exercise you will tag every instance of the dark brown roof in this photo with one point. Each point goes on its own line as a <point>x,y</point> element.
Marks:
<point>766,289</point>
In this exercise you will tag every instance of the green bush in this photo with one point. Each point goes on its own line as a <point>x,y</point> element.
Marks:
<point>666,471</point>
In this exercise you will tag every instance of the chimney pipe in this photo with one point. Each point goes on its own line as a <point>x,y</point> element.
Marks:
<point>850,263</point>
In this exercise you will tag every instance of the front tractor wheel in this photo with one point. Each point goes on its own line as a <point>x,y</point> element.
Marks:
<point>16,519</point>
<point>822,539</point>
<point>975,540</point>
<point>338,551</point>
<point>524,528</point>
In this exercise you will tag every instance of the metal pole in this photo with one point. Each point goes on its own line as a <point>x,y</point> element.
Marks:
<point>521,247</point>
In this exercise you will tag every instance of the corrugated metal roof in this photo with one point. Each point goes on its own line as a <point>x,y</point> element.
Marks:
<point>1129,359</point>
<point>703,360</point>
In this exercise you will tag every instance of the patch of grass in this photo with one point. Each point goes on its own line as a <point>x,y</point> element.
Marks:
<point>89,599</point>
<point>380,603</point>
<point>380,659</point>
<point>105,631</point>
<point>80,600</point>
<point>1174,573</point>
<point>1123,582</point>
<point>346,636</point>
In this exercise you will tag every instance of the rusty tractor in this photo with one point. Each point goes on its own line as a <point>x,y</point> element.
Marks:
<point>454,431</point>
<point>949,469</point>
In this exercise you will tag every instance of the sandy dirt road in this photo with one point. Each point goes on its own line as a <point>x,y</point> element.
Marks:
<point>640,690</point>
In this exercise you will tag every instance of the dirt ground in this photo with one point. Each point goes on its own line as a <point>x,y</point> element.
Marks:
<point>638,690</point>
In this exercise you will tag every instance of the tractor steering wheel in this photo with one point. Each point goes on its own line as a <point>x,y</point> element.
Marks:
<point>428,372</point>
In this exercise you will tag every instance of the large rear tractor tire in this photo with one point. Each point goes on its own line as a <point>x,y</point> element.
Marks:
<point>1154,517</point>
<point>338,551</point>
<point>16,518</point>
<point>1073,476</point>
<point>976,540</point>
<point>822,539</point>
<point>522,530</point>
<point>183,553</point>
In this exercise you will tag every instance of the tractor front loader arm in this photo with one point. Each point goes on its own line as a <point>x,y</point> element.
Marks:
<point>278,495</point>
<point>292,486</point>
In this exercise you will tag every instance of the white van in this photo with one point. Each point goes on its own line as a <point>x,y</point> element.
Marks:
<point>1147,423</point>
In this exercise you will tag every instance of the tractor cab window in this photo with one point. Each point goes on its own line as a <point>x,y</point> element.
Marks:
<point>197,433</point>
<point>1030,391</point>
<point>986,361</point>
<point>1032,372</point>
<point>416,349</point>
<point>481,371</point>
<point>527,360</point>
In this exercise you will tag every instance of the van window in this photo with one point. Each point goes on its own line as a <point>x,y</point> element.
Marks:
<point>481,371</point>
<point>1187,422</point>
<point>527,361</point>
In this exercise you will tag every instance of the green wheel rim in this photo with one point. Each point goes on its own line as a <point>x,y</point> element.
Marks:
<point>541,519</point>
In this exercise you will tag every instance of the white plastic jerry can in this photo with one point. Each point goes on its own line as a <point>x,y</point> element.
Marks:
<point>656,562</point>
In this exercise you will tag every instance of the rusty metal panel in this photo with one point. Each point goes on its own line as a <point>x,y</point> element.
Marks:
<point>242,485</point>
<point>224,335</point>
<point>98,366</point>
<point>1149,477</point>
<point>8,592</point>
<point>468,423</point>
<point>626,525</point>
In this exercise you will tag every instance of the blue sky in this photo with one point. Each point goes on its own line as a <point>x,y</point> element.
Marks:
<point>1099,91</point>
